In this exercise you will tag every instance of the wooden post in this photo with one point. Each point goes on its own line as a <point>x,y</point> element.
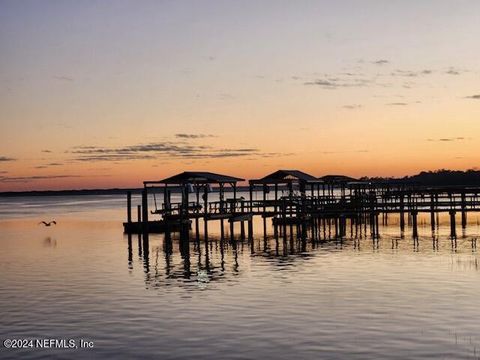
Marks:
<point>145,211</point>
<point>181,211</point>
<point>145,229</point>
<point>166,200</point>
<point>276,198</point>
<point>242,223</point>
<point>250,190</point>
<point>264,197</point>
<point>205,213</point>
<point>372,224</point>
<point>343,225</point>
<point>250,228</point>
<point>464,212</point>
<point>221,198</point>
<point>464,219</point>
<point>197,198</point>
<point>187,195</point>
<point>197,228</point>
<point>414,223</point>
<point>234,197</point>
<point>453,230</point>
<point>432,211</point>
<point>129,207</point>
<point>402,215</point>
<point>264,190</point>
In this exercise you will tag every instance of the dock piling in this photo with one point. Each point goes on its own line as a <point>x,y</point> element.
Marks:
<point>453,230</point>
<point>414,224</point>
<point>129,207</point>
<point>144,211</point>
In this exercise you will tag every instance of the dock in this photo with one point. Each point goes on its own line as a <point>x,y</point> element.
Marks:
<point>292,198</point>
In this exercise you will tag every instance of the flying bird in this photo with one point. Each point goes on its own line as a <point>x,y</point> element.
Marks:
<point>47,224</point>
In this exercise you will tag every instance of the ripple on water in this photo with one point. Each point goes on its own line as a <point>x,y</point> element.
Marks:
<point>356,298</point>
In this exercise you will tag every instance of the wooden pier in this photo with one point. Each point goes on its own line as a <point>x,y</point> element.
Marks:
<point>293,198</point>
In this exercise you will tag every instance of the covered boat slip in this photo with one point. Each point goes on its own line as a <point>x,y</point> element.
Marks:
<point>194,189</point>
<point>290,197</point>
<point>287,207</point>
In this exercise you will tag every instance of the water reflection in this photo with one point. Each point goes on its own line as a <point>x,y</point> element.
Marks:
<point>281,295</point>
<point>192,260</point>
<point>50,242</point>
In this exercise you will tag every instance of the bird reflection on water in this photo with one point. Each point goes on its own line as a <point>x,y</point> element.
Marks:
<point>50,242</point>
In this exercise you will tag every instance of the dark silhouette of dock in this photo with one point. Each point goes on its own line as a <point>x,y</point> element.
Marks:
<point>292,198</point>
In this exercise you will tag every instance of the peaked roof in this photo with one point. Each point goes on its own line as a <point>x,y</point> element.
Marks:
<point>204,177</point>
<point>283,176</point>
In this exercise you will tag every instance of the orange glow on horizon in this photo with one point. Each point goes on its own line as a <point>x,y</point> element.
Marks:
<point>91,104</point>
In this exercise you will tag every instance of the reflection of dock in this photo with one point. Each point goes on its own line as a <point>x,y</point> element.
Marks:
<point>156,226</point>
<point>200,263</point>
<point>293,198</point>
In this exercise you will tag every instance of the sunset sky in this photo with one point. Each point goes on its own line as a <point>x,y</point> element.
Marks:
<point>99,94</point>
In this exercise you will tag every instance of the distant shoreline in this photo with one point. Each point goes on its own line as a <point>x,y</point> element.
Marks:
<point>438,178</point>
<point>69,192</point>
<point>114,191</point>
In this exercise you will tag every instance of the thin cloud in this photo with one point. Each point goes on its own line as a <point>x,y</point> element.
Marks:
<point>226,96</point>
<point>344,152</point>
<point>63,78</point>
<point>404,73</point>
<point>113,157</point>
<point>6,158</point>
<point>36,178</point>
<point>458,138</point>
<point>46,151</point>
<point>381,62</point>
<point>352,107</point>
<point>410,73</point>
<point>474,97</point>
<point>352,74</point>
<point>194,136</point>
<point>397,104</point>
<point>335,82</point>
<point>454,71</point>
<point>165,150</point>
<point>48,165</point>
<point>322,83</point>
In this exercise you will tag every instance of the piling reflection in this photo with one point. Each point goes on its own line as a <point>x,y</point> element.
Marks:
<point>197,260</point>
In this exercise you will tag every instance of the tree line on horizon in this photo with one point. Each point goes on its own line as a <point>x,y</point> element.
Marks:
<point>441,177</point>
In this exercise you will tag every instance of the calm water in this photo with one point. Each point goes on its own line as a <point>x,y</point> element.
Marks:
<point>270,299</point>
